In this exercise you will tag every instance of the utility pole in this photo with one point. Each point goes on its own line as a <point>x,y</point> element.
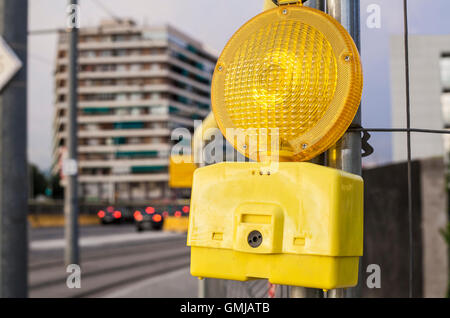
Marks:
<point>70,166</point>
<point>13,156</point>
<point>296,291</point>
<point>346,154</point>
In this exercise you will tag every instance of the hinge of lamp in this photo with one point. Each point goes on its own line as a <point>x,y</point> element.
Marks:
<point>285,2</point>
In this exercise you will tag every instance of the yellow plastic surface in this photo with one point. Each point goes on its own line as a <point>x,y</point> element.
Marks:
<point>181,171</point>
<point>174,224</point>
<point>294,69</point>
<point>310,218</point>
<point>202,134</point>
<point>268,4</point>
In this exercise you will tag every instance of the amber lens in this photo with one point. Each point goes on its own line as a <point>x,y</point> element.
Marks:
<point>281,72</point>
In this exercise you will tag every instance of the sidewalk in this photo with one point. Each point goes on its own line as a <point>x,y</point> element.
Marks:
<point>100,240</point>
<point>177,284</point>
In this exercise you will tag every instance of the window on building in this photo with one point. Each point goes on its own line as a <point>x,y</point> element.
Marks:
<point>91,127</point>
<point>121,96</point>
<point>134,140</point>
<point>62,83</point>
<point>105,53</point>
<point>445,71</point>
<point>159,110</point>
<point>129,125</point>
<point>62,54</point>
<point>118,38</point>
<point>93,142</point>
<point>136,111</point>
<point>135,67</point>
<point>445,100</point>
<point>154,35</point>
<point>136,96</point>
<point>121,67</point>
<point>121,52</point>
<point>122,111</point>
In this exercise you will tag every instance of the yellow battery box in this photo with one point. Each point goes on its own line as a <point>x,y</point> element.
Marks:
<point>293,223</point>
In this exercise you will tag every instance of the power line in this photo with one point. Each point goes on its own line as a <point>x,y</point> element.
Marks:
<point>45,31</point>
<point>107,10</point>
<point>408,146</point>
<point>403,130</point>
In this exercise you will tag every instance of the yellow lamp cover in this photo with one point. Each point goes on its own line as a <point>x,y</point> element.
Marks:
<point>288,83</point>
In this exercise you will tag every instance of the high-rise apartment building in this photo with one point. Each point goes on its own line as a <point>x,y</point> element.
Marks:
<point>429,68</point>
<point>136,84</point>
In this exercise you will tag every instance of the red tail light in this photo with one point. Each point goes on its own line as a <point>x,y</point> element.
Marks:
<point>101,214</point>
<point>177,214</point>
<point>185,209</point>
<point>150,210</point>
<point>138,216</point>
<point>157,218</point>
<point>117,214</point>
<point>110,209</point>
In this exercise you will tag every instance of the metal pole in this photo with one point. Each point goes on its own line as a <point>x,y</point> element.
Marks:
<point>408,146</point>
<point>296,291</point>
<point>303,292</point>
<point>317,4</point>
<point>13,157</point>
<point>346,154</point>
<point>71,189</point>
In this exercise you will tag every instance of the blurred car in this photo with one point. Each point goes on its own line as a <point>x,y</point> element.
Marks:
<point>148,219</point>
<point>110,215</point>
<point>185,210</point>
<point>180,210</point>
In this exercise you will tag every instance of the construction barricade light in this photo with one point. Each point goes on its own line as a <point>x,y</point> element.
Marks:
<point>296,71</point>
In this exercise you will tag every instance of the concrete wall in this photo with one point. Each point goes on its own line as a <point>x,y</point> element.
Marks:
<point>434,218</point>
<point>387,227</point>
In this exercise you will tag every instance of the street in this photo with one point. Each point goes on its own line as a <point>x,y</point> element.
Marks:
<point>113,259</point>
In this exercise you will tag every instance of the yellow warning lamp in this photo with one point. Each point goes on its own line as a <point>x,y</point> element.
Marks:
<point>296,71</point>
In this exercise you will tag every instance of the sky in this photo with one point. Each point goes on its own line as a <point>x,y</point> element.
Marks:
<point>213,22</point>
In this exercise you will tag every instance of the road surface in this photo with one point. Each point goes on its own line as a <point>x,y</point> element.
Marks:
<point>115,261</point>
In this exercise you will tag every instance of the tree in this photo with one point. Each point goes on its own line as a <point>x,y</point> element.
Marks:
<point>38,181</point>
<point>55,186</point>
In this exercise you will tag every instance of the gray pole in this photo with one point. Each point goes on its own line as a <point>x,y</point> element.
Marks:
<point>13,157</point>
<point>295,291</point>
<point>348,149</point>
<point>71,189</point>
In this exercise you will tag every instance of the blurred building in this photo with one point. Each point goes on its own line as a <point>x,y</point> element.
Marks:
<point>429,91</point>
<point>136,84</point>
